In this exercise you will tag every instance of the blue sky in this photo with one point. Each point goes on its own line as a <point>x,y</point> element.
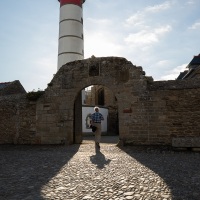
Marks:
<point>160,36</point>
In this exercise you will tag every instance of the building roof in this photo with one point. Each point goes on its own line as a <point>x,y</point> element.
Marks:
<point>195,61</point>
<point>10,88</point>
<point>4,84</point>
<point>182,74</point>
<point>193,69</point>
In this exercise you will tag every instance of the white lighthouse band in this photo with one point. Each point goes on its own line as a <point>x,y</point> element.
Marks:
<point>71,44</point>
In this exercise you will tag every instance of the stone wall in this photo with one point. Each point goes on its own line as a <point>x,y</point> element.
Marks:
<point>166,110</point>
<point>182,106</point>
<point>56,119</point>
<point>17,120</point>
<point>149,112</point>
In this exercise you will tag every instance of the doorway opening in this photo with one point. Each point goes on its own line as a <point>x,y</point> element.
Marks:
<point>87,99</point>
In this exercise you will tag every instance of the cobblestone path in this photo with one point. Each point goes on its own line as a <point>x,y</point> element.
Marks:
<point>83,172</point>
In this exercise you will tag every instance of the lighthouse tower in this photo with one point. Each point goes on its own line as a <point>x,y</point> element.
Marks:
<point>70,46</point>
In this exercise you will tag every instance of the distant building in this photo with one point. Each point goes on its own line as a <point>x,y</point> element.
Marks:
<point>10,88</point>
<point>193,69</point>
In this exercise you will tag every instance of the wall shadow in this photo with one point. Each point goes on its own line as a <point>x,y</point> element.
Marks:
<point>179,170</point>
<point>24,169</point>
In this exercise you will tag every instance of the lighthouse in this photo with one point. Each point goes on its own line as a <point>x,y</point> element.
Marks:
<point>71,45</point>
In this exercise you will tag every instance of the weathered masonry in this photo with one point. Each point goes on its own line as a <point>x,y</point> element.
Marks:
<point>149,112</point>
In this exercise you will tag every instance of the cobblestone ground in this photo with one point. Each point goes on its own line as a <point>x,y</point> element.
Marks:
<point>83,172</point>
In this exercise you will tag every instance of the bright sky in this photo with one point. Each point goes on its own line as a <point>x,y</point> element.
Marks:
<point>160,36</point>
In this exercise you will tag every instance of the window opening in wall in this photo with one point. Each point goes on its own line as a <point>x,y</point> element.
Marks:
<point>100,97</point>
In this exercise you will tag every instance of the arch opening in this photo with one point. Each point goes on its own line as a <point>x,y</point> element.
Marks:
<point>86,100</point>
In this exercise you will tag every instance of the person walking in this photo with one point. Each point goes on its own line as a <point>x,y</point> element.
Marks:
<point>97,117</point>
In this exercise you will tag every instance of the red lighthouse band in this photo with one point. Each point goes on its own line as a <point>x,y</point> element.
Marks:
<point>75,2</point>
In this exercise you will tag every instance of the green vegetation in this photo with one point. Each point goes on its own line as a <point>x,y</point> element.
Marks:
<point>34,95</point>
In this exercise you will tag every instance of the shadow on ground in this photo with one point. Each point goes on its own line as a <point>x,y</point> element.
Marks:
<point>24,170</point>
<point>179,170</point>
<point>99,159</point>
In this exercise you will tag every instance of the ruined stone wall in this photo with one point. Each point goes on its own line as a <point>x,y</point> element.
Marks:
<point>182,101</point>
<point>166,110</point>
<point>17,120</point>
<point>183,112</point>
<point>149,112</point>
<point>56,117</point>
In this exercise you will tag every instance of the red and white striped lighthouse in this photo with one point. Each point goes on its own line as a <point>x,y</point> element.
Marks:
<point>71,46</point>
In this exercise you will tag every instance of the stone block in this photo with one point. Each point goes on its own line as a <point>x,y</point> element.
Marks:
<point>54,130</point>
<point>196,149</point>
<point>42,127</point>
<point>53,140</point>
<point>186,142</point>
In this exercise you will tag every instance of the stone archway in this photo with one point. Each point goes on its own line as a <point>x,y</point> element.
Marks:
<point>55,111</point>
<point>84,107</point>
